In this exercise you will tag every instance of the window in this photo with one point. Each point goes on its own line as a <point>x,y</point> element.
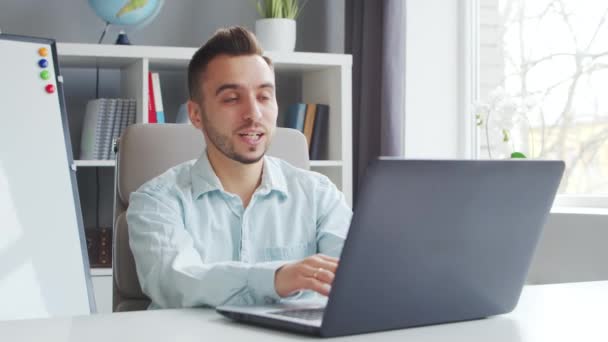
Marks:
<point>543,87</point>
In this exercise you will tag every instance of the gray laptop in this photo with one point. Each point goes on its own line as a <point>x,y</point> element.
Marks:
<point>431,241</point>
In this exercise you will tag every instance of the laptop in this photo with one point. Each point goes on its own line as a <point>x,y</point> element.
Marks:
<point>430,242</point>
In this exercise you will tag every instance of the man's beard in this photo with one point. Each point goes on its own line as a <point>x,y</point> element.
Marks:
<point>223,144</point>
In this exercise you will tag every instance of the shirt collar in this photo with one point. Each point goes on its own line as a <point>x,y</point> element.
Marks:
<point>273,178</point>
<point>205,180</point>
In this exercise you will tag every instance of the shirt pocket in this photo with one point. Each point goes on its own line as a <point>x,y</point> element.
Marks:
<point>294,252</point>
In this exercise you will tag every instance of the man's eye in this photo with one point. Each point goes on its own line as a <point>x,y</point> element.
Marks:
<point>230,99</point>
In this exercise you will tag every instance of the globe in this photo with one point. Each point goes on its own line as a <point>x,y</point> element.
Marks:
<point>126,12</point>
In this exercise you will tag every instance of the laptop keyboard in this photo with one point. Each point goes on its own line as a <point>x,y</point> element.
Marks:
<point>307,314</point>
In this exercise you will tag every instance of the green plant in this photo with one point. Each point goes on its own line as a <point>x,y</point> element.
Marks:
<point>288,9</point>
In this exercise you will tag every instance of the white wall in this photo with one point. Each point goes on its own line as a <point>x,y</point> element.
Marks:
<point>572,248</point>
<point>432,79</point>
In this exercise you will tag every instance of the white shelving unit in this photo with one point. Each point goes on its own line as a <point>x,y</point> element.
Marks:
<point>324,78</point>
<point>101,272</point>
<point>95,163</point>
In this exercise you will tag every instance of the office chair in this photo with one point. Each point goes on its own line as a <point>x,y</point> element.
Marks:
<point>146,151</point>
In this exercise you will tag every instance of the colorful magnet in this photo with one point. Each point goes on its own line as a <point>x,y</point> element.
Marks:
<point>44,74</point>
<point>43,63</point>
<point>43,52</point>
<point>50,88</point>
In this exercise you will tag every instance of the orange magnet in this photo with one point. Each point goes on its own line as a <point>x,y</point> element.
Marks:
<point>43,52</point>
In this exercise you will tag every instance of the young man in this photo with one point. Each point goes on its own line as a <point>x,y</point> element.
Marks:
<point>235,226</point>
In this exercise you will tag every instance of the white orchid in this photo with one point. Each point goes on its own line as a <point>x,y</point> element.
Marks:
<point>499,116</point>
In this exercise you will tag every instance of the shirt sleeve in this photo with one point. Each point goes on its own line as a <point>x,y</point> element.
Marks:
<point>171,270</point>
<point>333,219</point>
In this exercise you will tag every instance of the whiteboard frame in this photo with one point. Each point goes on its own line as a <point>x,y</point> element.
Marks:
<point>68,151</point>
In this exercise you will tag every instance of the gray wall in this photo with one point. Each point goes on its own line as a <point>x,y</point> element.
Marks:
<point>186,23</point>
<point>180,22</point>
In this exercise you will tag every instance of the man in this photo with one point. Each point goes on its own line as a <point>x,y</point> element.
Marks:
<point>235,226</point>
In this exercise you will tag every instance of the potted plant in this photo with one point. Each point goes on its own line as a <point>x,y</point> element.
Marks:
<point>276,31</point>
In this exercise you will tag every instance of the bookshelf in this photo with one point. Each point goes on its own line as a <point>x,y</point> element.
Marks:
<point>95,163</point>
<point>301,77</point>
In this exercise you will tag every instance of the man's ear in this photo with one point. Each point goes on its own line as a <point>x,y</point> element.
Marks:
<point>195,114</point>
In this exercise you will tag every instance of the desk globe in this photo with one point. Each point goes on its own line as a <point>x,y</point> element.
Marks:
<point>137,13</point>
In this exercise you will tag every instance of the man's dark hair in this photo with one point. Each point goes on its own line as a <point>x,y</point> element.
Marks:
<point>232,41</point>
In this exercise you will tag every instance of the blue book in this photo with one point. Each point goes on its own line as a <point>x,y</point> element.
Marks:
<point>158,98</point>
<point>160,117</point>
<point>318,145</point>
<point>294,116</point>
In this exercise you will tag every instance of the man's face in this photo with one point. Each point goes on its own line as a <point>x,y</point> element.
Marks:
<point>238,112</point>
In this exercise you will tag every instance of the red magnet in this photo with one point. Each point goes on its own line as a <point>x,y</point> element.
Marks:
<point>50,88</point>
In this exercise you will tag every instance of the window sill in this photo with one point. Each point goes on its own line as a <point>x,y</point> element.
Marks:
<point>579,210</point>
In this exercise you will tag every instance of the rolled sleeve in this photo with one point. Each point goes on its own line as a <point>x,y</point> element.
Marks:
<point>261,278</point>
<point>333,220</point>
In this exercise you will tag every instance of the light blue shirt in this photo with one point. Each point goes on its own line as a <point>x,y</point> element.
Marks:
<point>195,245</point>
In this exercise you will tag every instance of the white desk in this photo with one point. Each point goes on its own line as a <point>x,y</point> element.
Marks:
<point>551,313</point>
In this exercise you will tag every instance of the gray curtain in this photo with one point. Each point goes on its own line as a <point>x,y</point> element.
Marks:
<point>375,36</point>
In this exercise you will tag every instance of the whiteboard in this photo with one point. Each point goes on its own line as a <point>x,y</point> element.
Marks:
<point>44,268</point>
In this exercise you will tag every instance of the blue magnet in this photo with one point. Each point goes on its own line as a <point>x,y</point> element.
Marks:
<point>43,63</point>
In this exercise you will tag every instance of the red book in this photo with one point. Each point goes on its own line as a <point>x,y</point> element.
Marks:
<point>151,106</point>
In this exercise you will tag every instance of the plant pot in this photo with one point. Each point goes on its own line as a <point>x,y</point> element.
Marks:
<point>276,34</point>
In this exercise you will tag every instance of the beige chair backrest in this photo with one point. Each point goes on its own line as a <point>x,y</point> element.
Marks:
<point>146,151</point>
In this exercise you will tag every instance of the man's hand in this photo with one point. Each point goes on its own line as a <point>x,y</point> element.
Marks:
<point>312,273</point>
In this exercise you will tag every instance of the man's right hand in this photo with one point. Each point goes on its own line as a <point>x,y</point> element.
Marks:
<point>314,273</point>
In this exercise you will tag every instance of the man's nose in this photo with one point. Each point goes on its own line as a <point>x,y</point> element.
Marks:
<point>252,109</point>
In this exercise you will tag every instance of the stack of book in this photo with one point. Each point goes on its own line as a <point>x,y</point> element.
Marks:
<point>99,246</point>
<point>104,122</point>
<point>312,120</point>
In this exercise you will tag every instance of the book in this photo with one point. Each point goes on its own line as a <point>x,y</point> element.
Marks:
<point>158,98</point>
<point>151,104</point>
<point>309,122</point>
<point>115,132</point>
<point>312,120</point>
<point>104,122</point>
<point>95,127</point>
<point>90,126</point>
<point>99,246</point>
<point>92,244</point>
<point>294,116</point>
<point>104,258</point>
<point>320,138</point>
<point>104,131</point>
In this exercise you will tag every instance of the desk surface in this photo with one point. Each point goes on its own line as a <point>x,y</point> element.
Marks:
<point>558,312</point>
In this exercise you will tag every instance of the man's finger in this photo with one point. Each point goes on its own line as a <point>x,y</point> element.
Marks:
<point>325,276</point>
<point>324,264</point>
<point>317,286</point>
<point>328,258</point>
<point>321,274</point>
